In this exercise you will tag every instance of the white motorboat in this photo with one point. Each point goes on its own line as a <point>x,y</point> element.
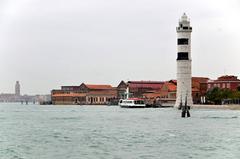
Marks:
<point>132,103</point>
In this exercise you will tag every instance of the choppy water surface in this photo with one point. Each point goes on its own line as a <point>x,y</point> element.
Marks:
<point>74,132</point>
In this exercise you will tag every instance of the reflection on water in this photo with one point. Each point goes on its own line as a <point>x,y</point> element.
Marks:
<point>75,132</point>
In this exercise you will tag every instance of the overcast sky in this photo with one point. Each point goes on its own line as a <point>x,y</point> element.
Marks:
<point>48,43</point>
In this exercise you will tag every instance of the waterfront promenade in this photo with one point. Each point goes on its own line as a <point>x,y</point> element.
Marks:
<point>224,107</point>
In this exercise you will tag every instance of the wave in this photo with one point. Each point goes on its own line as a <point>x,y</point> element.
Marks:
<point>66,118</point>
<point>218,117</point>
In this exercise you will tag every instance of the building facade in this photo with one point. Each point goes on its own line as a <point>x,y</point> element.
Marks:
<point>121,90</point>
<point>224,82</point>
<point>138,88</point>
<point>199,89</point>
<point>167,94</point>
<point>85,94</point>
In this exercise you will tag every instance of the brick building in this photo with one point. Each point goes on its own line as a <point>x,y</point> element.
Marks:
<point>224,82</point>
<point>68,98</point>
<point>121,90</point>
<point>98,94</point>
<point>168,91</point>
<point>138,88</point>
<point>92,94</point>
<point>167,94</point>
<point>84,94</point>
<point>199,88</point>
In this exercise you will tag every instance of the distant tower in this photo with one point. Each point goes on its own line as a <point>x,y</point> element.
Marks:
<point>17,88</point>
<point>184,62</point>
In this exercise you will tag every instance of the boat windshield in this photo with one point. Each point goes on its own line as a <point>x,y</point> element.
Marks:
<point>139,102</point>
<point>127,101</point>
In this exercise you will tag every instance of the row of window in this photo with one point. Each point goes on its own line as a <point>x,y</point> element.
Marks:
<point>223,85</point>
<point>95,99</point>
<point>135,102</point>
<point>138,102</point>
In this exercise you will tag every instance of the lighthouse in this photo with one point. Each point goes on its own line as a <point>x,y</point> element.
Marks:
<point>184,62</point>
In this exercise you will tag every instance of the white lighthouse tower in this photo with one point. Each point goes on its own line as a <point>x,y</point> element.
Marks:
<point>184,62</point>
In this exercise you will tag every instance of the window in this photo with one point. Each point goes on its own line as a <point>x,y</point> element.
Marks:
<point>182,41</point>
<point>223,85</point>
<point>182,56</point>
<point>228,85</point>
<point>185,28</point>
<point>209,86</point>
<point>138,102</point>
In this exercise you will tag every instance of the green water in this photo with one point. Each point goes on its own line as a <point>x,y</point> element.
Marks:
<point>95,132</point>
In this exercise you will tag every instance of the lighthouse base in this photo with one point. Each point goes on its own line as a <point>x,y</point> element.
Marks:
<point>184,83</point>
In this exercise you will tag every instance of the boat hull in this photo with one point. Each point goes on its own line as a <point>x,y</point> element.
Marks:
<point>130,106</point>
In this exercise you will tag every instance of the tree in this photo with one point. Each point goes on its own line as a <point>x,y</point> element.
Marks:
<point>238,88</point>
<point>217,95</point>
<point>213,95</point>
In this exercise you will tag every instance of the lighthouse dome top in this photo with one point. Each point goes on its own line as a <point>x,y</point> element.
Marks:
<point>184,18</point>
<point>184,24</point>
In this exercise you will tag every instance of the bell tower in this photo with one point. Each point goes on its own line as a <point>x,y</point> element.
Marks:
<point>17,88</point>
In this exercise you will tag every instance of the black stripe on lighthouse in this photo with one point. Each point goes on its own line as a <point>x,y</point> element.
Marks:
<point>182,41</point>
<point>182,56</point>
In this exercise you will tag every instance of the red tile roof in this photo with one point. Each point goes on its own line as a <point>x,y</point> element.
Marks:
<point>69,95</point>
<point>103,93</point>
<point>228,78</point>
<point>169,86</point>
<point>94,86</point>
<point>145,84</point>
<point>200,79</point>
